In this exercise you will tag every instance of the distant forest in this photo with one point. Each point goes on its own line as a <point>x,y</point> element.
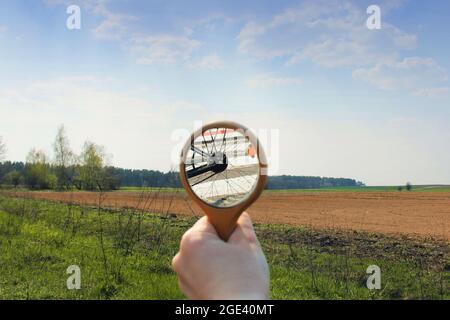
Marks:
<point>16,174</point>
<point>304,182</point>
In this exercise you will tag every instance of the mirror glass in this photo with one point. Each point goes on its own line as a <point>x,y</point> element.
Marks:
<point>222,167</point>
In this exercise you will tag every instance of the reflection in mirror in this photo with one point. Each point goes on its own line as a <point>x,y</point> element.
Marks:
<point>222,167</point>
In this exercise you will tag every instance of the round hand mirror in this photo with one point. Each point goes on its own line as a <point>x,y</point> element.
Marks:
<point>223,169</point>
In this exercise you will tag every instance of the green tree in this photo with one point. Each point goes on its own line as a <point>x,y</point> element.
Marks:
<point>92,161</point>
<point>109,180</point>
<point>38,173</point>
<point>408,186</point>
<point>13,178</point>
<point>64,159</point>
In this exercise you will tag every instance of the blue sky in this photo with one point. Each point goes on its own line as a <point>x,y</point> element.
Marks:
<point>347,101</point>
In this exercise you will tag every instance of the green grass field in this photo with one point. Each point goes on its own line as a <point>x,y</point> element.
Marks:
<point>125,255</point>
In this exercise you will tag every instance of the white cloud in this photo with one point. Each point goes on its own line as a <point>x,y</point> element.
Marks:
<point>212,21</point>
<point>209,62</point>
<point>152,48</point>
<point>269,80</point>
<point>432,92</point>
<point>113,27</point>
<point>328,33</point>
<point>420,76</point>
<point>146,48</point>
<point>71,94</point>
<point>334,34</point>
<point>165,48</point>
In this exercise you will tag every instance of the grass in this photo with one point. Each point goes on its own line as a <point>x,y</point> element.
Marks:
<point>124,254</point>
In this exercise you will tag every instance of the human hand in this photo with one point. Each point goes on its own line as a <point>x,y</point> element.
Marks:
<point>209,268</point>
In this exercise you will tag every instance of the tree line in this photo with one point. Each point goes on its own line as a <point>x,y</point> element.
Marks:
<point>65,170</point>
<point>90,171</point>
<point>305,182</point>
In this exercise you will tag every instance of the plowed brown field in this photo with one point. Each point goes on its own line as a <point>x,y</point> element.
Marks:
<point>416,214</point>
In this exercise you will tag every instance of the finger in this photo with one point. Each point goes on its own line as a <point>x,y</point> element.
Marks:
<point>203,225</point>
<point>182,283</point>
<point>200,233</point>
<point>176,263</point>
